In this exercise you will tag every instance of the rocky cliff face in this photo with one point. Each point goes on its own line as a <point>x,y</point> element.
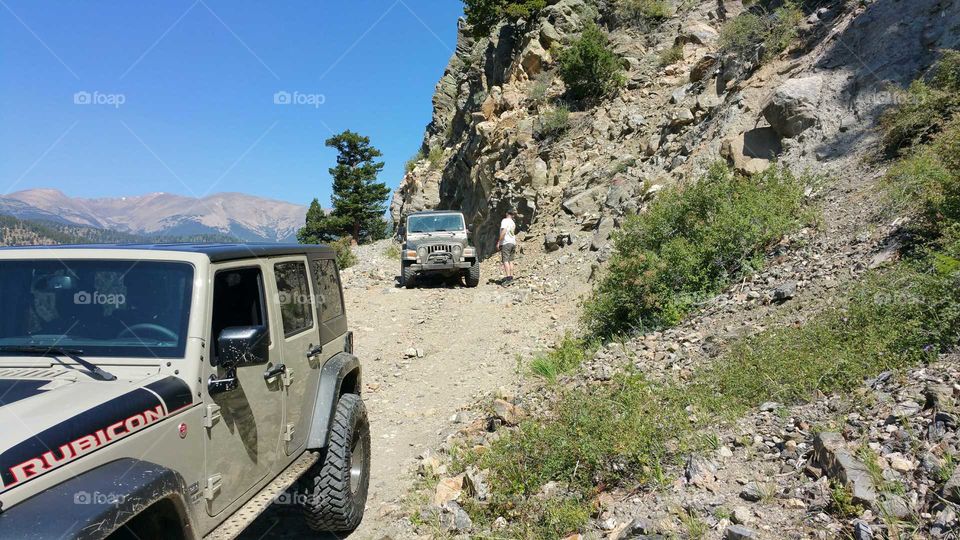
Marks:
<point>813,107</point>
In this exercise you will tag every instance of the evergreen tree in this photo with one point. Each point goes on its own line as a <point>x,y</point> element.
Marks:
<point>318,229</point>
<point>359,201</point>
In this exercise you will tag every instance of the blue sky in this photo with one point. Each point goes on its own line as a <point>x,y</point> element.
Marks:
<point>179,96</point>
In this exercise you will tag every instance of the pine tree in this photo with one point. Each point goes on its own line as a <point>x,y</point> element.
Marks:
<point>318,228</point>
<point>359,201</point>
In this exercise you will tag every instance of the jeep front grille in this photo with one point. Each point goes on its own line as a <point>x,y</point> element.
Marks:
<point>439,247</point>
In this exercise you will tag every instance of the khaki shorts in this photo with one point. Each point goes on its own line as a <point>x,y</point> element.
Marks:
<point>507,251</point>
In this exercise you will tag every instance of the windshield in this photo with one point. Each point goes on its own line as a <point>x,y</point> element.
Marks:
<point>435,223</point>
<point>101,307</point>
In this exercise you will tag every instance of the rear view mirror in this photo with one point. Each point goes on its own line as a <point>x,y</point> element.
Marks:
<point>243,346</point>
<point>55,283</point>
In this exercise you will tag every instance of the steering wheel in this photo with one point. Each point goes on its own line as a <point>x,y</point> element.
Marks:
<point>161,330</point>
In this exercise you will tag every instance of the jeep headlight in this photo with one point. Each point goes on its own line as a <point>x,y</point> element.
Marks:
<point>457,250</point>
<point>422,252</point>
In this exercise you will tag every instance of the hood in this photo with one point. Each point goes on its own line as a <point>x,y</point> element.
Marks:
<point>50,417</point>
<point>425,239</point>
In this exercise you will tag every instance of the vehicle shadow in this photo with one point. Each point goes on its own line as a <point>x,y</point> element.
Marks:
<point>433,282</point>
<point>283,523</point>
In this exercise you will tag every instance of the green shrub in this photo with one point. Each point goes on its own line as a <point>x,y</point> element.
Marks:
<point>540,87</point>
<point>644,12</point>
<point>344,249</point>
<point>752,30</point>
<point>483,15</point>
<point>412,162</point>
<point>927,107</point>
<point>435,157</point>
<point>671,55</point>
<point>927,182</point>
<point>553,123</point>
<point>392,251</point>
<point>690,244</point>
<point>595,437</point>
<point>588,67</point>
<point>841,502</point>
<point>565,358</point>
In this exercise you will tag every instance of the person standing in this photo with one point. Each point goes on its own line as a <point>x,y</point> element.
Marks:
<point>507,245</point>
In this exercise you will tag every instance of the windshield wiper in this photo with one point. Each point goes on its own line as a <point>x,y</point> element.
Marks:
<point>73,354</point>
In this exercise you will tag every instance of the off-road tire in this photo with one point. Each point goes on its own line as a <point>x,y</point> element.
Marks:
<point>473,275</point>
<point>334,501</point>
<point>408,277</point>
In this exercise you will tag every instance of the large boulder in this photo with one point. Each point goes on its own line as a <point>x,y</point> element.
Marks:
<point>532,60</point>
<point>539,174</point>
<point>753,151</point>
<point>697,32</point>
<point>792,108</point>
<point>830,452</point>
<point>703,67</point>
<point>585,202</point>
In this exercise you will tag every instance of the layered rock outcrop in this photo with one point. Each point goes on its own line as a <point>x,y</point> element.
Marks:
<point>813,107</point>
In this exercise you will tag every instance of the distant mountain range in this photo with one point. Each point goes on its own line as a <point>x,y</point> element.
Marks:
<point>243,217</point>
<point>24,232</point>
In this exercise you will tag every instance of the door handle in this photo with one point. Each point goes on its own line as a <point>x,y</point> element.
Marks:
<point>227,384</point>
<point>279,369</point>
<point>314,350</point>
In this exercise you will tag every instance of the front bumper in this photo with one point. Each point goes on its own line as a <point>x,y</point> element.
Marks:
<point>428,267</point>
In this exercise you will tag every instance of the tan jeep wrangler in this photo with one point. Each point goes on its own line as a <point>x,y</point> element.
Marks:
<point>175,391</point>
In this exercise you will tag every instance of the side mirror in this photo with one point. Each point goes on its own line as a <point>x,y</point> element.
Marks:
<point>243,346</point>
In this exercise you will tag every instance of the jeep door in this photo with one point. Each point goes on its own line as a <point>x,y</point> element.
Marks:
<point>298,345</point>
<point>244,423</point>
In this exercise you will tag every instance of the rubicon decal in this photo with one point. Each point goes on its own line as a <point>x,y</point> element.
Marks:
<point>91,430</point>
<point>88,443</point>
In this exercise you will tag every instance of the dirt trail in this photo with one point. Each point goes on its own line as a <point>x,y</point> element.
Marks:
<point>469,340</point>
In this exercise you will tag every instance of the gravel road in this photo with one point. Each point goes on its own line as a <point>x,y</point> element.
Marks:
<point>429,353</point>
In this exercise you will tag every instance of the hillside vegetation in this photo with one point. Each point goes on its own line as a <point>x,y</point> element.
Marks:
<point>628,432</point>
<point>770,229</point>
<point>691,243</point>
<point>19,232</point>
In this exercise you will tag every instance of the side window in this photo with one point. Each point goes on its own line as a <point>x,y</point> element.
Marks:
<point>293,295</point>
<point>238,300</point>
<point>328,284</point>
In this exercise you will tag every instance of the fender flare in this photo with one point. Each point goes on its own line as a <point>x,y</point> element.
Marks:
<point>339,368</point>
<point>96,503</point>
